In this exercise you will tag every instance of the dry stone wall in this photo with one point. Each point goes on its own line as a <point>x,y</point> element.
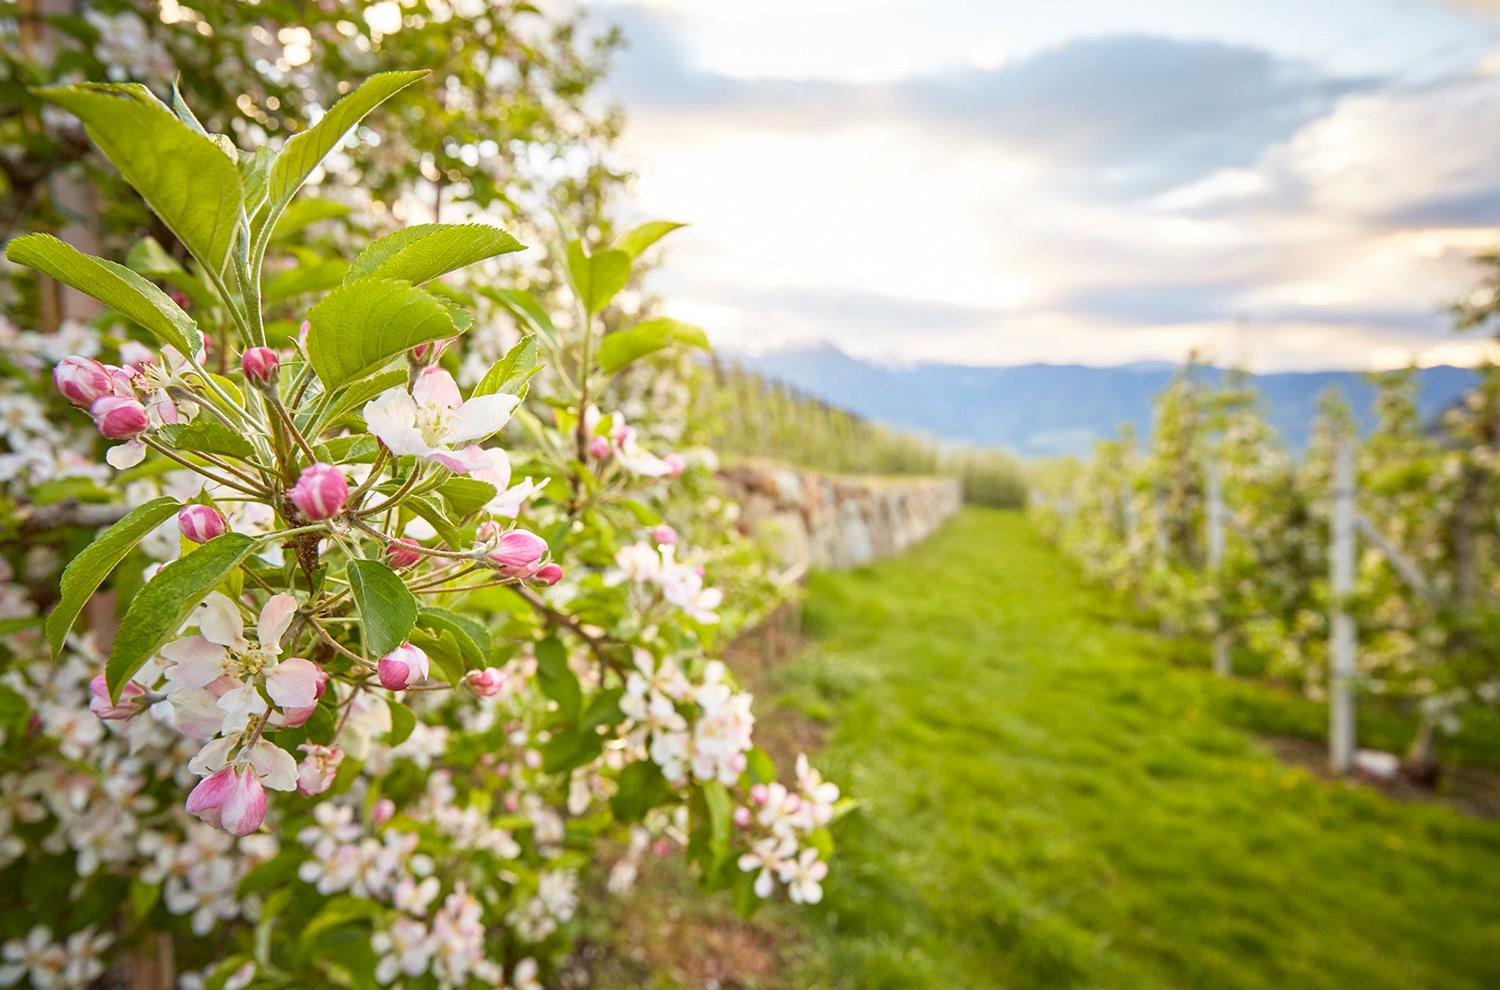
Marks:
<point>836,521</point>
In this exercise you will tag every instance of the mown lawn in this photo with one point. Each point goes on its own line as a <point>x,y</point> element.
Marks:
<point>1052,802</point>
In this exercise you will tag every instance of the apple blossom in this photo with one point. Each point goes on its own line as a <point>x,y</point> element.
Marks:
<point>599,448</point>
<point>82,380</point>
<point>549,574</point>
<point>400,554</point>
<point>318,768</point>
<point>118,417</point>
<point>261,366</point>
<point>518,553</point>
<point>486,683</point>
<point>231,798</point>
<point>321,492</point>
<point>664,535</point>
<point>132,700</point>
<point>201,523</point>
<point>402,667</point>
<point>432,418</point>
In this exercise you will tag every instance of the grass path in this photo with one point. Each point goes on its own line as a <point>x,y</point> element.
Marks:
<point>1051,803</point>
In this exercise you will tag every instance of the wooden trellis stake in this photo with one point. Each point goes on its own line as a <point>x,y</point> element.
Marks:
<point>1341,670</point>
<point>1216,566</point>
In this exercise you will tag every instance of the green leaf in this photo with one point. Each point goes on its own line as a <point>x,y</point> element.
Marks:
<point>428,250</point>
<point>720,820</point>
<point>597,277</point>
<point>527,311</point>
<point>603,709</point>
<point>183,175</point>
<point>116,286</point>
<point>473,642</point>
<point>302,152</point>
<point>403,721</point>
<point>646,235</point>
<point>255,172</point>
<point>354,396</point>
<point>446,655</point>
<point>569,749</point>
<point>164,603</point>
<point>511,373</point>
<point>360,326</point>
<point>387,608</point>
<point>429,510</point>
<point>556,680</point>
<point>88,570</point>
<point>466,495</point>
<point>313,273</point>
<point>619,349</point>
<point>273,873</point>
<point>642,787</point>
<point>303,213</point>
<point>341,910</point>
<point>761,768</point>
<point>205,435</point>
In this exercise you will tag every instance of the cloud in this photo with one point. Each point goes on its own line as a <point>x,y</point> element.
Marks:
<point>1133,112</point>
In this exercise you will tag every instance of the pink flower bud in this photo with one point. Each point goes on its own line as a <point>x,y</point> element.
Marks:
<point>400,554</point>
<point>742,817</point>
<point>599,448</point>
<point>119,418</point>
<point>318,768</point>
<point>81,380</point>
<point>427,353</point>
<point>231,799</point>
<point>132,700</point>
<point>760,793</point>
<point>402,667</point>
<point>382,811</point>
<point>675,464</point>
<point>261,366</point>
<point>201,523</point>
<point>320,492</point>
<point>549,574</point>
<point>662,848</point>
<point>518,553</point>
<point>664,535</point>
<point>486,683</point>
<point>185,302</point>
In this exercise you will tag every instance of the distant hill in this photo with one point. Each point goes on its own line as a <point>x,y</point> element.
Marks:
<point>1048,409</point>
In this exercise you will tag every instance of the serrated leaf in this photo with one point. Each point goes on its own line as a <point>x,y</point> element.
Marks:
<point>160,608</point>
<point>429,510</point>
<point>619,349</point>
<point>510,373</point>
<point>527,310</point>
<point>303,152</point>
<point>428,250</point>
<point>119,288</point>
<point>184,176</point>
<point>387,608</point>
<point>473,642</point>
<point>403,721</point>
<point>466,495</point>
<point>646,235</point>
<point>88,570</point>
<point>360,326</point>
<point>255,172</point>
<point>720,820</point>
<point>205,435</point>
<point>596,278</point>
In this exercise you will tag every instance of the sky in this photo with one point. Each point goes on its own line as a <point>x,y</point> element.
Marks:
<point>1281,184</point>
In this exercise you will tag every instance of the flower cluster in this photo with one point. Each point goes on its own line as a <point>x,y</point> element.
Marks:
<point>356,663</point>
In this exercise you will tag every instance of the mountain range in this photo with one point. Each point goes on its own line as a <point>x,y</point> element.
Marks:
<point>1041,410</point>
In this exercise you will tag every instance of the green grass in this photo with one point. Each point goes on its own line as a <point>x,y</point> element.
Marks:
<point>1052,802</point>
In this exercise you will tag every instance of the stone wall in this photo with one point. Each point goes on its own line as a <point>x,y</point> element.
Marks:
<point>833,521</point>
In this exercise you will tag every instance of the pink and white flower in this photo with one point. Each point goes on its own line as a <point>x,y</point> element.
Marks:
<point>434,422</point>
<point>201,523</point>
<point>321,491</point>
<point>231,798</point>
<point>518,553</point>
<point>318,768</point>
<point>402,667</point>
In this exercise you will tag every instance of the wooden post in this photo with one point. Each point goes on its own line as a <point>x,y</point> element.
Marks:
<point>1341,624</point>
<point>1216,566</point>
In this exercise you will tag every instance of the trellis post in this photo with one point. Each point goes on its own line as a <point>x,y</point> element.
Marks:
<point>1341,626</point>
<point>1216,566</point>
